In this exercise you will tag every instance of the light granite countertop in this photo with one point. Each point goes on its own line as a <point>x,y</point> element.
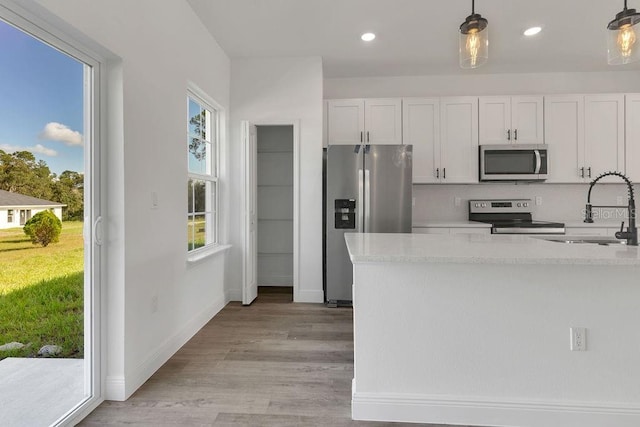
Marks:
<point>483,249</point>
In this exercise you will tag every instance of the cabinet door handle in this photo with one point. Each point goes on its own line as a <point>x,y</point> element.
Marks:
<point>515,134</point>
<point>368,136</point>
<point>508,134</point>
<point>444,173</point>
<point>582,172</point>
<point>589,171</point>
<point>361,136</point>
<point>438,173</point>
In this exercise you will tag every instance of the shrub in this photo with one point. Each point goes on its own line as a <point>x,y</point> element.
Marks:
<point>43,228</point>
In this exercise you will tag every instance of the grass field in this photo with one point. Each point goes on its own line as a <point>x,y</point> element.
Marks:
<point>41,292</point>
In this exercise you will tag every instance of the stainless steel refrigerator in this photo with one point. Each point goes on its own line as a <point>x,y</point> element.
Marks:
<point>367,189</point>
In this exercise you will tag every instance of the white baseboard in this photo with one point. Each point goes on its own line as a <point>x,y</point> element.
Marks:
<point>308,296</point>
<point>114,388</point>
<point>264,280</point>
<point>121,388</point>
<point>469,411</point>
<point>233,294</point>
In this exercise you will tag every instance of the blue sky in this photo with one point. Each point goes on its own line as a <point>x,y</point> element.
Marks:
<point>41,101</point>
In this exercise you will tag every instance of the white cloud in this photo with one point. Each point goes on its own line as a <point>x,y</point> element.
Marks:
<point>36,149</point>
<point>58,132</point>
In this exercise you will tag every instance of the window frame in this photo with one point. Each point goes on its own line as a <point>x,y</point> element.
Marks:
<point>212,229</point>
<point>10,215</point>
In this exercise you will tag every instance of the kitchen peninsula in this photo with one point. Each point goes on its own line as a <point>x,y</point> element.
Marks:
<point>475,329</point>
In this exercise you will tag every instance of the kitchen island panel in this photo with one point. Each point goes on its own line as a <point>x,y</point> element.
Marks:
<point>488,344</point>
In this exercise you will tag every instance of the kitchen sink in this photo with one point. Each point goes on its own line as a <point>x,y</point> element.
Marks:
<point>604,241</point>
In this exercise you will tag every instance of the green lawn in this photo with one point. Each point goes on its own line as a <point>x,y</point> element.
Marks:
<point>41,292</point>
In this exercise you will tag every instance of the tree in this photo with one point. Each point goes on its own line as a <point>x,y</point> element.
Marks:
<point>68,188</point>
<point>43,228</point>
<point>21,173</point>
<point>197,147</point>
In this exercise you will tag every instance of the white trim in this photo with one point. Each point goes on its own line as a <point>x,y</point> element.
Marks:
<point>121,389</point>
<point>115,388</point>
<point>298,294</point>
<point>306,295</point>
<point>473,411</point>
<point>45,26</point>
<point>205,252</point>
<point>233,295</point>
<point>200,96</point>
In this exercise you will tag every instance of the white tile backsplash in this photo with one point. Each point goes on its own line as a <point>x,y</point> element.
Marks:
<point>560,202</point>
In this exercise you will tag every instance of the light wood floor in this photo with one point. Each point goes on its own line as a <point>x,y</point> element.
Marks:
<point>273,363</point>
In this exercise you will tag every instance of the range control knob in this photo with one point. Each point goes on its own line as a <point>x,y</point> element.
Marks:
<point>477,205</point>
<point>484,205</point>
<point>525,204</point>
<point>518,204</point>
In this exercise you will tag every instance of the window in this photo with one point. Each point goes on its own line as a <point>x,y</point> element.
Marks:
<point>10,215</point>
<point>202,186</point>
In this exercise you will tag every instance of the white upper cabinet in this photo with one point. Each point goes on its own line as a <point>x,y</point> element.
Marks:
<point>564,134</point>
<point>603,134</point>
<point>585,135</point>
<point>444,135</point>
<point>421,128</point>
<point>368,121</point>
<point>632,143</point>
<point>510,120</point>
<point>458,140</point>
<point>345,121</point>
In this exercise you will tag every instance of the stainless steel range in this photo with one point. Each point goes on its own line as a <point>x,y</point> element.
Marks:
<point>511,216</point>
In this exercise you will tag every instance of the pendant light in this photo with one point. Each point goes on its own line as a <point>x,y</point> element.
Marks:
<point>474,40</point>
<point>622,38</point>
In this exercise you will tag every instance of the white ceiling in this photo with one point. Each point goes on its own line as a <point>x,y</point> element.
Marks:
<point>415,37</point>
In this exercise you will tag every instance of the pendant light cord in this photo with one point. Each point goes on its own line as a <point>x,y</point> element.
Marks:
<point>473,6</point>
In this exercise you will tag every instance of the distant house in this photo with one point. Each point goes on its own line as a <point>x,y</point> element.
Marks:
<point>16,209</point>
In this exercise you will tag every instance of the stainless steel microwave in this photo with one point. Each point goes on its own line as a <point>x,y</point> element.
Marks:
<point>517,162</point>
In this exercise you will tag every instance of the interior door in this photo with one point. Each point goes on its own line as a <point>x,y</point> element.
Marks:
<point>250,258</point>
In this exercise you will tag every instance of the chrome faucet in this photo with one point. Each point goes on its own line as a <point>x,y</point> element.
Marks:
<point>632,232</point>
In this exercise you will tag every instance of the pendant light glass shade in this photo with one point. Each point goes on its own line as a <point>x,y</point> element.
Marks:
<point>474,40</point>
<point>623,37</point>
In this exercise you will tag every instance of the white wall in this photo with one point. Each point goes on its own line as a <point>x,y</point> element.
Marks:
<point>483,84</point>
<point>273,90</point>
<point>156,51</point>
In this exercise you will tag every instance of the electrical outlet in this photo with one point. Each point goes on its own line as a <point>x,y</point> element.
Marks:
<point>538,200</point>
<point>619,200</point>
<point>154,303</point>
<point>578,339</point>
<point>457,202</point>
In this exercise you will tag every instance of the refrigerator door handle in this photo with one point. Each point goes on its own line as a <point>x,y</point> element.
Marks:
<point>367,201</point>
<point>359,228</point>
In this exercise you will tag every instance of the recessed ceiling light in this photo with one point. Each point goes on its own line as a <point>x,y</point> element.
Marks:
<point>532,31</point>
<point>368,37</point>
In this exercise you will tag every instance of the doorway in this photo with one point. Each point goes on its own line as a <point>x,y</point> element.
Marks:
<point>271,159</point>
<point>49,286</point>
<point>275,205</point>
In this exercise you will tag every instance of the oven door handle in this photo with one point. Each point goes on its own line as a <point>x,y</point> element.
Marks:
<point>538,161</point>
